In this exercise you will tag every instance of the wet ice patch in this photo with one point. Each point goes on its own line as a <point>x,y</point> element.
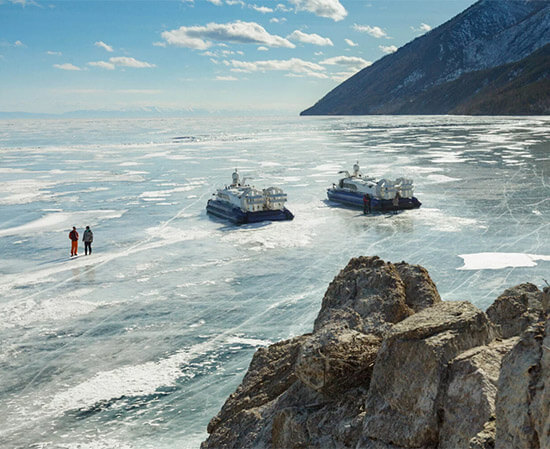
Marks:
<point>156,194</point>
<point>174,234</point>
<point>284,234</point>
<point>497,261</point>
<point>254,342</point>
<point>441,179</point>
<point>440,221</point>
<point>131,381</point>
<point>30,312</point>
<point>23,191</point>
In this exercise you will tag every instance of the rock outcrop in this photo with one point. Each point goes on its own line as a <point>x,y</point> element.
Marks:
<point>517,309</point>
<point>391,366</point>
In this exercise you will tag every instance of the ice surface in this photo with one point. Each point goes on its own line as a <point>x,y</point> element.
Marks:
<point>138,345</point>
<point>497,261</point>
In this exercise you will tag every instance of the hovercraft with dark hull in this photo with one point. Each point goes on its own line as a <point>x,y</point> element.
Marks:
<point>237,216</point>
<point>242,203</point>
<point>355,200</point>
<point>357,191</point>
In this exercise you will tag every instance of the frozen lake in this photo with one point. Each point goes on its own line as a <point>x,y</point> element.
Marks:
<point>138,345</point>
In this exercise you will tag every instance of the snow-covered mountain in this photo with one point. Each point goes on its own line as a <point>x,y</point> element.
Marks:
<point>489,34</point>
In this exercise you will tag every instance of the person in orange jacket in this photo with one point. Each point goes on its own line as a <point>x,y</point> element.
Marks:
<point>73,235</point>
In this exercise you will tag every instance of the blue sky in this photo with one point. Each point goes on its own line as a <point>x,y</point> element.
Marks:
<point>237,56</point>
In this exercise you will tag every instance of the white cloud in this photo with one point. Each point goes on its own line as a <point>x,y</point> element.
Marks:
<point>103,45</point>
<point>221,53</point>
<point>262,9</point>
<point>19,44</point>
<point>350,43</point>
<point>235,2</point>
<point>24,3</point>
<point>423,28</point>
<point>121,61</point>
<point>201,37</point>
<point>314,39</point>
<point>215,2</point>
<point>331,9</point>
<point>282,8</point>
<point>276,20</point>
<point>126,61</point>
<point>53,53</point>
<point>293,65</point>
<point>262,48</point>
<point>376,32</point>
<point>353,62</point>
<point>226,78</point>
<point>159,44</point>
<point>67,66</point>
<point>102,65</point>
<point>388,49</point>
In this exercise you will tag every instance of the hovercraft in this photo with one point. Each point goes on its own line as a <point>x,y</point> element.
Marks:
<point>242,203</point>
<point>355,190</point>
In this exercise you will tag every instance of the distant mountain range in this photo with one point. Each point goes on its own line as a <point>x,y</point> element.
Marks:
<point>492,59</point>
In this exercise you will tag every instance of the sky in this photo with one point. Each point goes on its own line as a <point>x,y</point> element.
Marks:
<point>234,56</point>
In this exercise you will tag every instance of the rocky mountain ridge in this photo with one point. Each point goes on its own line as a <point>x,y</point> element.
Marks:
<point>489,34</point>
<point>389,365</point>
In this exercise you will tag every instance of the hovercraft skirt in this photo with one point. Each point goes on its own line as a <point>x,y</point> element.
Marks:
<point>237,216</point>
<point>356,200</point>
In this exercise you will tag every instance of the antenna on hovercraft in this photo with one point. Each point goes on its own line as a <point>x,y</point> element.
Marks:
<point>235,178</point>
<point>356,172</point>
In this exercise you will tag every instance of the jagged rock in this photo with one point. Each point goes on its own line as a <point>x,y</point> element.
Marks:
<point>434,378</point>
<point>523,398</point>
<point>420,290</point>
<point>540,406</point>
<point>485,439</point>
<point>469,401</point>
<point>368,443</point>
<point>410,370</point>
<point>289,429</point>
<point>545,301</point>
<point>271,372</point>
<point>374,291</point>
<point>328,424</point>
<point>336,359</point>
<point>516,309</point>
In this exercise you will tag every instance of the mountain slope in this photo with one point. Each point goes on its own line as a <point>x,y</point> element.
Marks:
<point>517,88</point>
<point>490,33</point>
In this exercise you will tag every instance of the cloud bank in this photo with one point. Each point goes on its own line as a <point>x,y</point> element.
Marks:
<point>331,9</point>
<point>375,31</point>
<point>121,61</point>
<point>314,39</point>
<point>103,45</point>
<point>202,37</point>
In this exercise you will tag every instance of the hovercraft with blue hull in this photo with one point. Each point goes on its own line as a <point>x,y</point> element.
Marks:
<point>242,203</point>
<point>357,191</point>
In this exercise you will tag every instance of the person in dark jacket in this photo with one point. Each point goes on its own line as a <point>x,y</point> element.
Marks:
<point>73,236</point>
<point>88,238</point>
